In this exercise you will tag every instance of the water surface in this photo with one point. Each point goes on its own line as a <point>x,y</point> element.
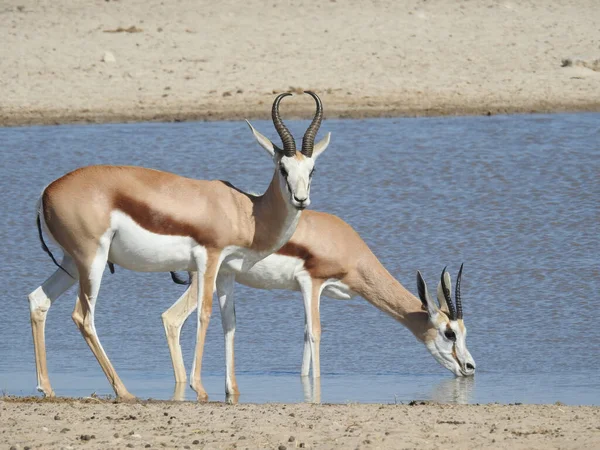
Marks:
<point>514,197</point>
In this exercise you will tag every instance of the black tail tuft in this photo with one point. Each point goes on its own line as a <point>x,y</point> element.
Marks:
<point>45,247</point>
<point>178,280</point>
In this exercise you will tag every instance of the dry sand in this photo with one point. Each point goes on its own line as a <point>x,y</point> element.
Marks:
<point>115,60</point>
<point>101,425</point>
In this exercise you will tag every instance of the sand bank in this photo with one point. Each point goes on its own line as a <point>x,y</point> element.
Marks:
<point>101,424</point>
<point>112,60</point>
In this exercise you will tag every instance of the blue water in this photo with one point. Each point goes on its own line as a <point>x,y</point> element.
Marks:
<point>514,197</point>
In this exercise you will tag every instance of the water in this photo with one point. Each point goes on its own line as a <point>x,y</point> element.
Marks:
<point>516,198</point>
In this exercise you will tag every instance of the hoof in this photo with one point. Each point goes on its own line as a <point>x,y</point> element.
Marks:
<point>46,392</point>
<point>232,399</point>
<point>126,398</point>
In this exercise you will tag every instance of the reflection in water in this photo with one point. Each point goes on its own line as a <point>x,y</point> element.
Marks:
<point>459,390</point>
<point>312,391</point>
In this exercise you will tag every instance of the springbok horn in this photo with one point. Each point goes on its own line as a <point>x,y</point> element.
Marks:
<point>447,297</point>
<point>289,146</point>
<point>459,311</point>
<point>308,141</point>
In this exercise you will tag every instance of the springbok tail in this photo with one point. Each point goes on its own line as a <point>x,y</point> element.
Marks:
<point>45,247</point>
<point>178,280</point>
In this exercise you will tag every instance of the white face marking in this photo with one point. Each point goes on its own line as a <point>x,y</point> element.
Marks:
<point>136,248</point>
<point>452,354</point>
<point>295,176</point>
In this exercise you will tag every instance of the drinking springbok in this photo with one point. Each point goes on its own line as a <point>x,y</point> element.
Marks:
<point>326,256</point>
<point>152,221</point>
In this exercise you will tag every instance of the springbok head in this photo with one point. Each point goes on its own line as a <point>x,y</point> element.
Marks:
<point>448,344</point>
<point>295,168</point>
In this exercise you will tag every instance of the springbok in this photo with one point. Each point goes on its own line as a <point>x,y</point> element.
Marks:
<point>152,221</point>
<point>326,256</point>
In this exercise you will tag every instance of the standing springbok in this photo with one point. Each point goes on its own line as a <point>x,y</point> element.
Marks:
<point>326,256</point>
<point>152,221</point>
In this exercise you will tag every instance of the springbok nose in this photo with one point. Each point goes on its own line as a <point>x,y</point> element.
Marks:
<point>470,366</point>
<point>300,200</point>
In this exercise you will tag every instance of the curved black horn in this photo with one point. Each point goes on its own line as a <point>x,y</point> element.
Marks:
<point>446,291</point>
<point>459,311</point>
<point>289,146</point>
<point>308,141</point>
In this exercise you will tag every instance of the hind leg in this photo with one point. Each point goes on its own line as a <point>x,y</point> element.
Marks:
<point>40,301</point>
<point>173,320</point>
<point>83,316</point>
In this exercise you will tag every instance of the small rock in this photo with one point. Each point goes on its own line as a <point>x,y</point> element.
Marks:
<point>85,437</point>
<point>226,94</point>
<point>116,435</point>
<point>147,446</point>
<point>64,430</point>
<point>14,447</point>
<point>130,445</point>
<point>282,447</point>
<point>108,57</point>
<point>45,429</point>
<point>302,445</point>
<point>57,417</point>
<point>241,438</point>
<point>196,442</point>
<point>136,436</point>
<point>291,439</point>
<point>27,447</point>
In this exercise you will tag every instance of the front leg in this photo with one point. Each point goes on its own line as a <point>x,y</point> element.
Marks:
<point>207,263</point>
<point>311,294</point>
<point>225,285</point>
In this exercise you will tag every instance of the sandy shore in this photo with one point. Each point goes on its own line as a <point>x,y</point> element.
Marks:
<point>92,424</point>
<point>112,60</point>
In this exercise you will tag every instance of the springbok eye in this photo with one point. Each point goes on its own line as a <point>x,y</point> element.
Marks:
<point>284,173</point>
<point>450,335</point>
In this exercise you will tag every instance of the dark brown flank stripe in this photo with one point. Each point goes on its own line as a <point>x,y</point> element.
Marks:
<point>295,250</point>
<point>156,222</point>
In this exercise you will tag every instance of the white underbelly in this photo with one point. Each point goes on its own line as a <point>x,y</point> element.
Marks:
<point>136,248</point>
<point>273,272</point>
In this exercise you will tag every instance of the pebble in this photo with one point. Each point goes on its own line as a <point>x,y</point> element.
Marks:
<point>116,435</point>
<point>129,445</point>
<point>282,447</point>
<point>108,57</point>
<point>196,442</point>
<point>136,436</point>
<point>291,439</point>
<point>14,447</point>
<point>64,430</point>
<point>57,417</point>
<point>45,429</point>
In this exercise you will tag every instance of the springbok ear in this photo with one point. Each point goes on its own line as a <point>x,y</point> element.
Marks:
<point>432,308</point>
<point>321,146</point>
<point>264,141</point>
<point>440,293</point>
